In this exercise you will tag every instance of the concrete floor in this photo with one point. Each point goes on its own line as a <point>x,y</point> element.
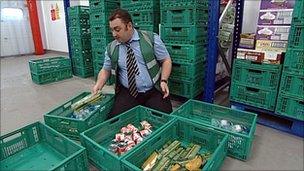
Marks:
<point>23,102</point>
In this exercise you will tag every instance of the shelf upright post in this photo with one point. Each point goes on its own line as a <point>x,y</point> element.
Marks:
<point>212,55</point>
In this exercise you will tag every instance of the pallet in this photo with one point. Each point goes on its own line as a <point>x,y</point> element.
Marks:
<point>273,120</point>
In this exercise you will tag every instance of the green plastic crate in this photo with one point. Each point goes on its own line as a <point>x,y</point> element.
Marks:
<point>296,36</point>
<point>80,52</point>
<point>97,139</point>
<point>290,106</point>
<point>52,76</point>
<point>294,60</point>
<point>80,43</point>
<point>39,147</point>
<point>79,22</point>
<point>97,64</point>
<point>136,5</point>
<point>239,145</point>
<point>298,12</point>
<point>183,34</point>
<point>83,72</point>
<point>250,95</point>
<point>78,10</point>
<point>101,16</point>
<point>99,54</point>
<point>82,62</point>
<point>169,4</point>
<point>60,120</point>
<point>97,5</point>
<point>49,64</point>
<point>80,31</point>
<point>187,52</point>
<point>153,27</point>
<point>260,75</point>
<point>187,71</point>
<point>145,17</point>
<point>175,16</point>
<point>100,31</point>
<point>188,89</point>
<point>186,132</point>
<point>101,43</point>
<point>292,84</point>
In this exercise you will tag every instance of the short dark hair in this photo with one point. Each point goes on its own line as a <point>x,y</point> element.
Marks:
<point>122,14</point>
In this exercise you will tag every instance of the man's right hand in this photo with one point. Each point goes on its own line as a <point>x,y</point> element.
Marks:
<point>95,89</point>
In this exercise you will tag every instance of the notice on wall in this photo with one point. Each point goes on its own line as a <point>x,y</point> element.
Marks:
<point>55,12</point>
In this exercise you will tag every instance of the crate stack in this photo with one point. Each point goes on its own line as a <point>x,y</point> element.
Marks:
<point>184,32</point>
<point>255,83</point>
<point>256,75</point>
<point>101,35</point>
<point>50,70</point>
<point>145,13</point>
<point>290,101</point>
<point>80,40</point>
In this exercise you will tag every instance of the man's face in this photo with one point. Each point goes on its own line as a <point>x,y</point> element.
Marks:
<point>121,31</point>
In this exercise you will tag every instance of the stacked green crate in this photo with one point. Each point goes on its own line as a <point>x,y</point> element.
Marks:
<point>145,13</point>
<point>290,101</point>
<point>255,83</point>
<point>184,32</point>
<point>101,35</point>
<point>50,70</point>
<point>80,41</point>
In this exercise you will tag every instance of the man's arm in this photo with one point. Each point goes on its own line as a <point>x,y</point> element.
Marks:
<point>103,74</point>
<point>163,56</point>
<point>102,78</point>
<point>165,73</point>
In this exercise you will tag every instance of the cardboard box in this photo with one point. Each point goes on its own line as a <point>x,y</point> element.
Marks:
<point>275,17</point>
<point>277,4</point>
<point>249,54</point>
<point>259,56</point>
<point>247,40</point>
<point>272,32</point>
<point>271,45</point>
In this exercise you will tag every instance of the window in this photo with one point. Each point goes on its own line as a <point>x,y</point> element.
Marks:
<point>11,14</point>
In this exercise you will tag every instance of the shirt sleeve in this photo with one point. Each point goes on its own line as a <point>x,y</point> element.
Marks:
<point>160,49</point>
<point>107,62</point>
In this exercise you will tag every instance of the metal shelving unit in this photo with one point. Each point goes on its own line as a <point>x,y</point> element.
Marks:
<point>213,30</point>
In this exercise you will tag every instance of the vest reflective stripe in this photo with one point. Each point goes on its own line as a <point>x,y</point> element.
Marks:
<point>155,79</point>
<point>151,63</point>
<point>145,36</point>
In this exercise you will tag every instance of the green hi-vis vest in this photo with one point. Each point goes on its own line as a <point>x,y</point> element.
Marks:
<point>146,42</point>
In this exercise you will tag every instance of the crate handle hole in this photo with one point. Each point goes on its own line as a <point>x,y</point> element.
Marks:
<point>114,121</point>
<point>176,29</point>
<point>12,137</point>
<point>157,114</point>
<point>252,89</point>
<point>176,65</point>
<point>177,11</point>
<point>255,71</point>
<point>176,47</point>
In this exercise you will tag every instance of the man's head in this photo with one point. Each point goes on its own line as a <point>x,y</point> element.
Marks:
<point>121,25</point>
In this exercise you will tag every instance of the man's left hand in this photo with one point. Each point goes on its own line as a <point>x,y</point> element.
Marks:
<point>165,89</point>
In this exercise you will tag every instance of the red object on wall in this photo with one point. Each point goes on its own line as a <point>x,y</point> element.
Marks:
<point>53,13</point>
<point>32,7</point>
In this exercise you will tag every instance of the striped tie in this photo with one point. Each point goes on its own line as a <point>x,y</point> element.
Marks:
<point>132,69</point>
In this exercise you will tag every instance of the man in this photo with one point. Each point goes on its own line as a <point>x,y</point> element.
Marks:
<point>140,65</point>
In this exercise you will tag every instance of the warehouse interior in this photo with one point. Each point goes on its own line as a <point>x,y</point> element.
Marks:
<point>25,101</point>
